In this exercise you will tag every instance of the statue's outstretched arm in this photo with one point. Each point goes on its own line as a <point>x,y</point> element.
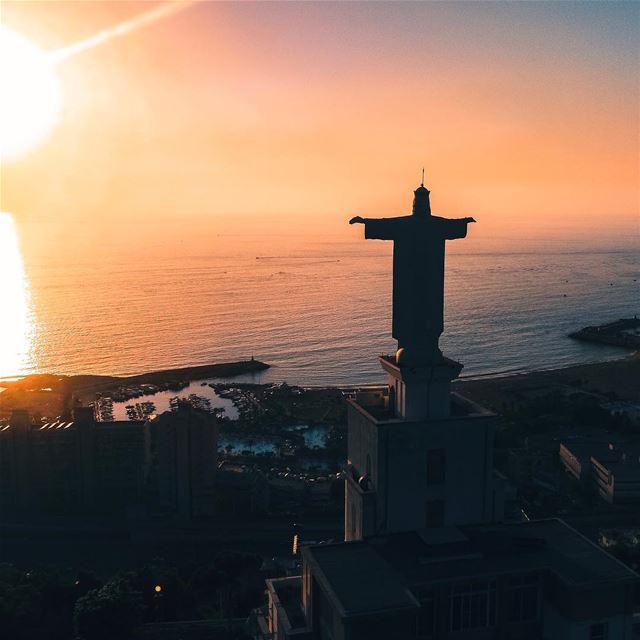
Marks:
<point>454,228</point>
<point>378,228</point>
<point>361,220</point>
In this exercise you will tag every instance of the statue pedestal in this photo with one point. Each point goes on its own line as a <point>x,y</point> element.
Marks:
<point>421,392</point>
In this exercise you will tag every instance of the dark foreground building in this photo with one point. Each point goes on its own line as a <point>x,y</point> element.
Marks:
<point>513,581</point>
<point>180,461</point>
<point>426,555</point>
<point>79,465</point>
<point>89,466</point>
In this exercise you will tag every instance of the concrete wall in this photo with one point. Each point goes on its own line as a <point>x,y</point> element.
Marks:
<point>384,625</point>
<point>182,446</point>
<point>360,511</point>
<point>557,627</point>
<point>396,452</point>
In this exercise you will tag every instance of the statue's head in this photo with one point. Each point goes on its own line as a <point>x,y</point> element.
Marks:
<point>421,204</point>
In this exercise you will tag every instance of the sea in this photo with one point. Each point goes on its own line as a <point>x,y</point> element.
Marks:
<point>319,312</point>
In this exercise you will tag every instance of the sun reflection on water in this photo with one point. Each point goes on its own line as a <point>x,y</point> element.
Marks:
<point>16,324</point>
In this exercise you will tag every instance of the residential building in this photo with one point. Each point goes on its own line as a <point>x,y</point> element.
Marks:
<point>611,467</point>
<point>70,465</point>
<point>181,461</point>
<point>617,479</point>
<point>537,580</point>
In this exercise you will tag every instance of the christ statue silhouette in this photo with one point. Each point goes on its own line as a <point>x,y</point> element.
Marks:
<point>418,275</point>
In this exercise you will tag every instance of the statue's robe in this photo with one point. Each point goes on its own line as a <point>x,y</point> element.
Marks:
<point>418,274</point>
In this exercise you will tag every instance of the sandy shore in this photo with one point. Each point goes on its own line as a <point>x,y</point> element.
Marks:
<point>621,377</point>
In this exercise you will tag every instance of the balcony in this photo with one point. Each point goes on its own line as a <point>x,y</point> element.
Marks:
<point>286,618</point>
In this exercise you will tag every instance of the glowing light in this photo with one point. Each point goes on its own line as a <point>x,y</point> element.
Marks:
<point>157,588</point>
<point>30,104</point>
<point>16,330</point>
<point>31,99</point>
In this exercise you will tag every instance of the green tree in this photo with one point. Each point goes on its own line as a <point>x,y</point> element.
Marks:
<point>113,611</point>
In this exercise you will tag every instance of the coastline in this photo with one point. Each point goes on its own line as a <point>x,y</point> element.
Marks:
<point>619,377</point>
<point>52,392</point>
<point>197,372</point>
<point>510,373</point>
<point>84,382</point>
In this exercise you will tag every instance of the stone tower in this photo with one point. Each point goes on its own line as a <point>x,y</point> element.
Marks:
<point>420,456</point>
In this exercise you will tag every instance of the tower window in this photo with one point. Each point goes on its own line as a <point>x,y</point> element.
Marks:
<point>436,465</point>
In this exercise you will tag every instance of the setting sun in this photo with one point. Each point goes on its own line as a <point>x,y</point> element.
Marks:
<point>30,94</point>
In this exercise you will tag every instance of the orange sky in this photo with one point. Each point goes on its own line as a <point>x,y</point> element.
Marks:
<point>289,118</point>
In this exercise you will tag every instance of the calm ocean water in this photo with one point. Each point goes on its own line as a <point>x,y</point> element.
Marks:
<point>319,315</point>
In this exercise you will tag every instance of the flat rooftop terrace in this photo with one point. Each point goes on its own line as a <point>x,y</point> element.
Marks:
<point>383,572</point>
<point>375,403</point>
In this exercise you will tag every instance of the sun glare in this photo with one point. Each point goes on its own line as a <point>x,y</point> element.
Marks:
<point>30,103</point>
<point>16,332</point>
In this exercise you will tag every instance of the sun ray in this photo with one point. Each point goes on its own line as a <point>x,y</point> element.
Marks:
<point>31,98</point>
<point>164,10</point>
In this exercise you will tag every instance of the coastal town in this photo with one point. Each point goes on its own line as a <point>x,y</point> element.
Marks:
<point>567,444</point>
<point>319,320</point>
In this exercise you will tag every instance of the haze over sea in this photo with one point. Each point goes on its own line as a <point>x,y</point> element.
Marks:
<point>318,311</point>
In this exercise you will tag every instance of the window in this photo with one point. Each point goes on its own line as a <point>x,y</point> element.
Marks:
<point>426,617</point>
<point>598,631</point>
<point>436,463</point>
<point>473,605</point>
<point>353,520</point>
<point>522,598</point>
<point>434,513</point>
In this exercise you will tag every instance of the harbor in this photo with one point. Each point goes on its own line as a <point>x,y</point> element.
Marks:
<point>266,426</point>
<point>156,400</point>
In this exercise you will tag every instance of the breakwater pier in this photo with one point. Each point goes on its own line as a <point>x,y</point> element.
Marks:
<point>621,333</point>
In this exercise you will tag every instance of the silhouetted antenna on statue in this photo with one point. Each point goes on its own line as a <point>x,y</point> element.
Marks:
<point>422,183</point>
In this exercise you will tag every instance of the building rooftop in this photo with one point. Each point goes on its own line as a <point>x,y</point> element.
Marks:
<point>360,579</point>
<point>55,426</point>
<point>289,593</point>
<point>375,403</point>
<point>583,451</point>
<point>382,572</point>
<point>626,467</point>
<point>613,453</point>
